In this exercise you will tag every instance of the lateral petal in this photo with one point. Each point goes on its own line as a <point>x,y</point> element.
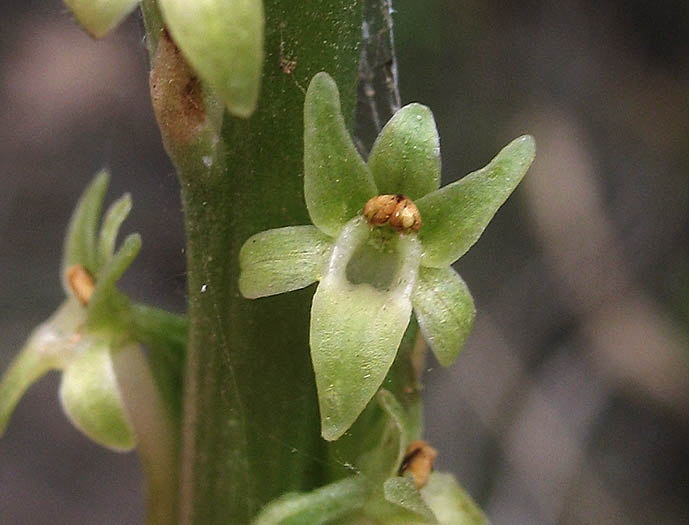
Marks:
<point>282,260</point>
<point>445,311</point>
<point>455,216</point>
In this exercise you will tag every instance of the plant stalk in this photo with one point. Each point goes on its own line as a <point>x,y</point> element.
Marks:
<point>250,427</point>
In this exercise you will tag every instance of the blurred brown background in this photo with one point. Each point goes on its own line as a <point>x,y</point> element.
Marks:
<point>570,403</point>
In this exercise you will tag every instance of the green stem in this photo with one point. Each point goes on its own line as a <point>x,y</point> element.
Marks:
<point>251,427</point>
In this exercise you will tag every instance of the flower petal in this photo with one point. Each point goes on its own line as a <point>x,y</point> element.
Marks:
<point>50,345</point>
<point>356,330</point>
<point>80,242</point>
<point>337,181</point>
<point>405,158</point>
<point>91,398</point>
<point>223,42</point>
<point>99,17</point>
<point>455,216</point>
<point>282,260</point>
<point>122,259</point>
<point>27,368</point>
<point>114,217</point>
<point>402,492</point>
<point>445,311</point>
<point>320,506</point>
<point>103,304</point>
<point>450,502</point>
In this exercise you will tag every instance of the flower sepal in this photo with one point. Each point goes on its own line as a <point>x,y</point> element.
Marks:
<point>445,311</point>
<point>456,215</point>
<point>405,158</point>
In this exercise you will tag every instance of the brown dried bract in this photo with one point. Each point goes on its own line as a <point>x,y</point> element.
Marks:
<point>176,95</point>
<point>419,461</point>
<point>81,282</point>
<point>398,211</point>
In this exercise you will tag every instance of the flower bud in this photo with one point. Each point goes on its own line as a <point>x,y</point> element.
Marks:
<point>223,42</point>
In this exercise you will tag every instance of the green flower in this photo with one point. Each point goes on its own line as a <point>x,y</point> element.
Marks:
<point>85,338</point>
<point>374,263</point>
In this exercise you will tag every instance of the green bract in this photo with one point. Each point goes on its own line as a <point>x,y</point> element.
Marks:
<point>371,279</point>
<point>99,17</point>
<point>223,42</point>
<point>85,333</point>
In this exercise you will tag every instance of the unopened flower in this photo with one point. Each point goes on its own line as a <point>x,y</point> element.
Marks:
<point>223,42</point>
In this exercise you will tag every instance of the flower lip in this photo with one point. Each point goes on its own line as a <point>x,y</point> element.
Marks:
<point>396,210</point>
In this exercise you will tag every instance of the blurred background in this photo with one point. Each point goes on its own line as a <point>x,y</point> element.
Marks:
<point>570,402</point>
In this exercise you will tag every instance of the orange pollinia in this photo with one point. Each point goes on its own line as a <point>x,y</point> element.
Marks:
<point>398,211</point>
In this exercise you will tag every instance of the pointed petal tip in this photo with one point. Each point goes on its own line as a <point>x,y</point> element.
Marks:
<point>527,144</point>
<point>103,176</point>
<point>324,79</point>
<point>241,110</point>
<point>331,433</point>
<point>455,216</point>
<point>98,19</point>
<point>417,107</point>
